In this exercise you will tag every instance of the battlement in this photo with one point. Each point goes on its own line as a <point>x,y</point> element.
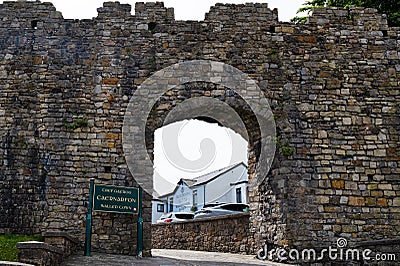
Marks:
<point>28,9</point>
<point>365,18</point>
<point>23,12</point>
<point>153,11</point>
<point>114,9</point>
<point>248,12</point>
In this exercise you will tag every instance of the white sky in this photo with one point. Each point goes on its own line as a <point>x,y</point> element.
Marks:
<point>184,9</point>
<point>188,135</point>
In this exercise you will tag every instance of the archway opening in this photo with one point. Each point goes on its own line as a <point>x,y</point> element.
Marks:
<point>198,162</point>
<point>203,88</point>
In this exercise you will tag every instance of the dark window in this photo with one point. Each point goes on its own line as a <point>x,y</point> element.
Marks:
<point>152,26</point>
<point>195,198</point>
<point>272,29</point>
<point>239,195</point>
<point>234,207</point>
<point>171,204</point>
<point>160,207</point>
<point>207,205</point>
<point>34,24</point>
<point>184,216</point>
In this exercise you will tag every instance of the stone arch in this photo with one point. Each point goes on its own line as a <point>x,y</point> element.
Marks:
<point>149,98</point>
<point>262,148</point>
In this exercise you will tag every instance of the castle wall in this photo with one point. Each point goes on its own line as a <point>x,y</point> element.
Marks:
<point>333,85</point>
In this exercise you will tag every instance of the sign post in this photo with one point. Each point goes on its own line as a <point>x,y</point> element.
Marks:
<point>113,199</point>
<point>88,235</point>
<point>140,226</point>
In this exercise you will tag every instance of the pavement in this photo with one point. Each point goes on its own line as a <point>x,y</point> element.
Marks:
<point>167,257</point>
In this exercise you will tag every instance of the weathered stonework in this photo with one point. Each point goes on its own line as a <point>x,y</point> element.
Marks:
<point>217,234</point>
<point>61,240</point>
<point>388,249</point>
<point>39,253</point>
<point>333,85</point>
<point>56,247</point>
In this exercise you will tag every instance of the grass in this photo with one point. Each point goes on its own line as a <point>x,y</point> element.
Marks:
<point>8,249</point>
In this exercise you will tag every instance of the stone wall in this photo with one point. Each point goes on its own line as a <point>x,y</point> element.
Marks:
<point>384,252</point>
<point>62,105</point>
<point>55,248</point>
<point>332,83</point>
<point>39,253</point>
<point>228,233</point>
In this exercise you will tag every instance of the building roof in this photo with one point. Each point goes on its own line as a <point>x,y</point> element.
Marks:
<point>214,174</point>
<point>187,182</point>
<point>203,179</point>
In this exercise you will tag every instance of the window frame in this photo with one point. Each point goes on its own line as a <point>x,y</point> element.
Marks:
<point>239,195</point>
<point>160,207</point>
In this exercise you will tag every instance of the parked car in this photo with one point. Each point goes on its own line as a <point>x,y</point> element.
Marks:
<point>207,205</point>
<point>221,209</point>
<point>175,217</point>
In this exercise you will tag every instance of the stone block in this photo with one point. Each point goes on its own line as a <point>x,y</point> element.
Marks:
<point>338,184</point>
<point>112,136</point>
<point>322,199</point>
<point>351,185</point>
<point>396,201</point>
<point>344,200</point>
<point>347,121</point>
<point>370,201</point>
<point>385,186</point>
<point>307,39</point>
<point>110,81</point>
<point>356,201</point>
<point>382,202</point>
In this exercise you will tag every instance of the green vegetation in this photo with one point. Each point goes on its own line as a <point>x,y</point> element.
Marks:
<point>77,123</point>
<point>8,249</point>
<point>284,146</point>
<point>389,7</point>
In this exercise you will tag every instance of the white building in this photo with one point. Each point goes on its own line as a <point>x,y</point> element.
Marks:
<point>228,185</point>
<point>158,209</point>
